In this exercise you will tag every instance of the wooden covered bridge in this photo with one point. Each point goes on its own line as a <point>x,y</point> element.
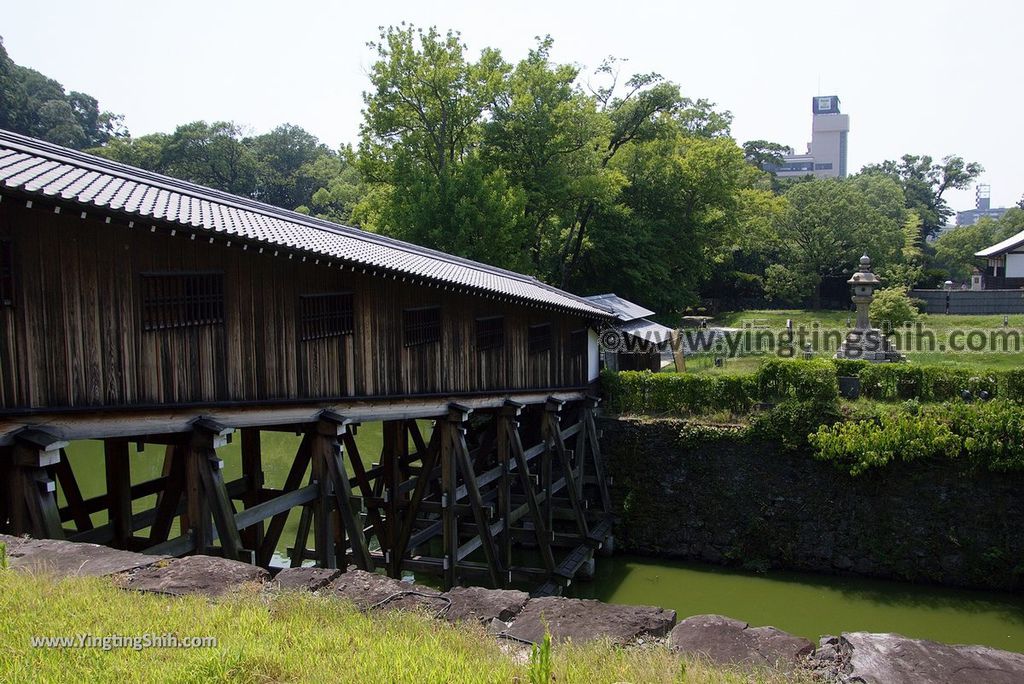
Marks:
<point>138,309</point>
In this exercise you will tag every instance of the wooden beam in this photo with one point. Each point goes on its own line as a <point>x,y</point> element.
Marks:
<point>72,494</point>
<point>462,460</point>
<point>117,468</point>
<point>252,472</point>
<point>291,483</point>
<point>114,423</point>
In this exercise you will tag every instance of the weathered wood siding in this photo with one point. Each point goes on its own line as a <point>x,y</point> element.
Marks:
<point>74,337</point>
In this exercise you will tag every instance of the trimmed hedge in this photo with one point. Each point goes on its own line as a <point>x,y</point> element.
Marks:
<point>981,435</point>
<point>814,380</point>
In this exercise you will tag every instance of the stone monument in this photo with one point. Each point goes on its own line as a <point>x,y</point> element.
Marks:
<point>865,342</point>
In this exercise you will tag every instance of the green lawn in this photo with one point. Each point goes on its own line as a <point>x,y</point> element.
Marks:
<point>941,325</point>
<point>273,637</point>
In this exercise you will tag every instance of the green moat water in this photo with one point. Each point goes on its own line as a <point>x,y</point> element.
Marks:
<point>811,605</point>
<point>805,604</point>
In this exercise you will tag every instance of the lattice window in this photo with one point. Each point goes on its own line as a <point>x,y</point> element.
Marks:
<point>179,300</point>
<point>325,315</point>
<point>578,342</point>
<point>6,273</point>
<point>539,339</point>
<point>421,326</point>
<point>490,333</point>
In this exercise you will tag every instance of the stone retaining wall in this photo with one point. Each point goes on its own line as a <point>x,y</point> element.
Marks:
<point>755,505</point>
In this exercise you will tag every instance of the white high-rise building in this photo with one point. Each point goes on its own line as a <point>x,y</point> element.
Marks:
<point>826,153</point>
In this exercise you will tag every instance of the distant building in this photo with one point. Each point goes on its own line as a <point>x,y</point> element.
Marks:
<point>827,152</point>
<point>982,207</point>
<point>1004,264</point>
<point>639,342</point>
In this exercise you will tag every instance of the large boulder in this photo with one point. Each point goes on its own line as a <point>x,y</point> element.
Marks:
<point>368,590</point>
<point>581,620</point>
<point>64,558</point>
<point>204,575</point>
<point>305,579</point>
<point>726,641</point>
<point>895,659</point>
<point>485,605</point>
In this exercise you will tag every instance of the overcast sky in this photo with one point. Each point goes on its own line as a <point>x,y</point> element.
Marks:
<point>931,77</point>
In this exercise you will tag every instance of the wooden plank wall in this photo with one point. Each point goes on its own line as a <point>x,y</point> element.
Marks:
<point>73,337</point>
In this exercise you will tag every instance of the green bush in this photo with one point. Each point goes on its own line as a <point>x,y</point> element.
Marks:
<point>861,445</point>
<point>891,308</point>
<point>991,433</point>
<point>849,367</point>
<point>791,422</point>
<point>810,380</point>
<point>644,392</point>
<point>890,381</point>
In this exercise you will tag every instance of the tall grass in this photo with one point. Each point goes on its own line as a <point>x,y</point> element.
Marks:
<point>291,638</point>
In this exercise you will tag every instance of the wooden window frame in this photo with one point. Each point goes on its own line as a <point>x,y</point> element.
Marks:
<point>578,342</point>
<point>181,299</point>
<point>490,333</point>
<point>6,272</point>
<point>323,315</point>
<point>539,338</point>
<point>421,326</point>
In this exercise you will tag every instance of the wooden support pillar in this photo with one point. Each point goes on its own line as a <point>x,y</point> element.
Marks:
<point>72,494</point>
<point>594,444</point>
<point>510,413</point>
<point>323,532</point>
<point>553,431</point>
<point>330,427</point>
<point>393,456</point>
<point>168,500</point>
<point>119,490</point>
<point>32,493</point>
<point>207,493</point>
<point>504,443</point>
<point>449,519</point>
<point>5,494</point>
<point>252,472</point>
<point>292,482</point>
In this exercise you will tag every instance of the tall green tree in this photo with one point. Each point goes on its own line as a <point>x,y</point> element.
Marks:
<point>829,223</point>
<point>211,154</point>
<point>955,248</point>
<point>925,182</point>
<point>280,156</point>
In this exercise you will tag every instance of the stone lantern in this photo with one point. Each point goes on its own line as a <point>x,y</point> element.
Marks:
<point>865,342</point>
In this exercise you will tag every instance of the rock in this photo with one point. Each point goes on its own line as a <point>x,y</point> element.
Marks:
<point>369,590</point>
<point>305,579</point>
<point>496,626</point>
<point>478,603</point>
<point>204,575</point>
<point>895,659</point>
<point>63,558</point>
<point>583,620</point>
<point>732,642</point>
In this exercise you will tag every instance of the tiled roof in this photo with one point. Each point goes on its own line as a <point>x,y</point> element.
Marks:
<point>39,168</point>
<point>1006,245</point>
<point>623,309</point>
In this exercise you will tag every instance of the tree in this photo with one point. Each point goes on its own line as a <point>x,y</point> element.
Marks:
<point>829,223</point>
<point>210,154</point>
<point>419,152</point>
<point>36,105</point>
<point>280,157</point>
<point>339,186</point>
<point>956,247</point>
<point>547,136</point>
<point>924,183</point>
<point>765,155</point>
<point>687,201</point>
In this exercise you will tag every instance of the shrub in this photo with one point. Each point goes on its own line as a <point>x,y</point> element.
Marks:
<point>861,445</point>
<point>991,433</point>
<point>788,286</point>
<point>849,367</point>
<point>890,381</point>
<point>891,308</point>
<point>676,393</point>
<point>810,380</point>
<point>792,421</point>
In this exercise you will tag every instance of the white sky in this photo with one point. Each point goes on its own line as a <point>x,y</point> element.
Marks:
<point>927,77</point>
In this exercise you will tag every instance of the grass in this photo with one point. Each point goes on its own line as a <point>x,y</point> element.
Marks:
<point>289,637</point>
<point>940,324</point>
